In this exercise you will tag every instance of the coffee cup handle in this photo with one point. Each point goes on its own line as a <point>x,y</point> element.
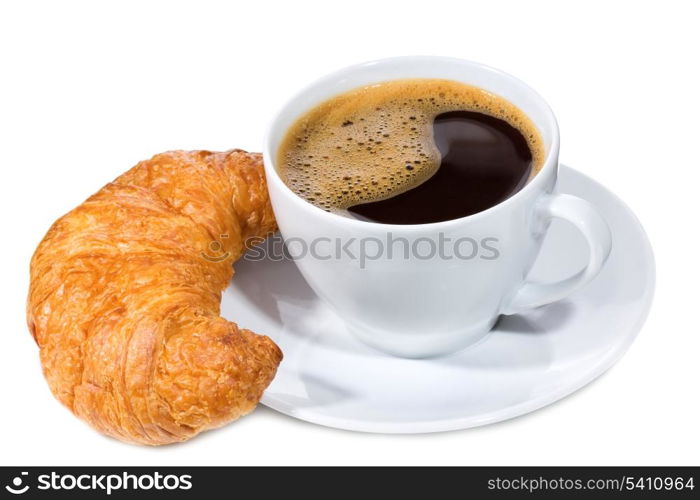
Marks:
<point>594,229</point>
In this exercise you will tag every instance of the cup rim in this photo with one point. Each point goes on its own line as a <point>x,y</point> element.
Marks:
<point>538,182</point>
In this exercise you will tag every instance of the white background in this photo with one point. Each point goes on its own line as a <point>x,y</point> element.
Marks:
<point>87,89</point>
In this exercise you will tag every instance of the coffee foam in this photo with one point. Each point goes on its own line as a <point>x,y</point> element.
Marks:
<point>375,142</point>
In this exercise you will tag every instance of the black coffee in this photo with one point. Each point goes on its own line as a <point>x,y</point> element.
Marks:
<point>483,161</point>
<point>410,152</point>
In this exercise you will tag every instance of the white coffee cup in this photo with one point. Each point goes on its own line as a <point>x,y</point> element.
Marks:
<point>415,304</point>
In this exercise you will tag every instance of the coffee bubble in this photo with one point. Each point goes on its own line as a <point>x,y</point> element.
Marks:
<point>375,142</point>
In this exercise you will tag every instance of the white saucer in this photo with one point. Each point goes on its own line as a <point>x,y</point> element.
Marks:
<point>528,361</point>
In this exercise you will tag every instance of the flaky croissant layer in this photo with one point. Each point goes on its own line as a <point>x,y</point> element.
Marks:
<point>125,295</point>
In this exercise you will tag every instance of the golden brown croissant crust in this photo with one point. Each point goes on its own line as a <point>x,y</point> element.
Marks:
<point>125,295</point>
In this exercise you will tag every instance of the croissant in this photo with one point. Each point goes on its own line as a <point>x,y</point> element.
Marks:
<point>125,296</point>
